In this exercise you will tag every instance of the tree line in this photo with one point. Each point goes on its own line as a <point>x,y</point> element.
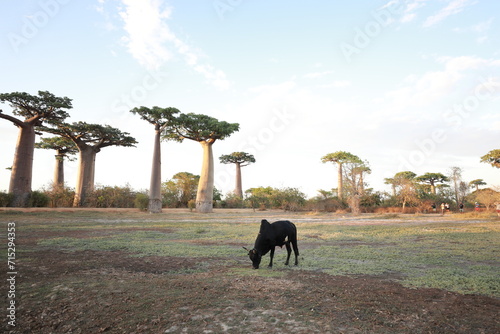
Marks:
<point>46,113</point>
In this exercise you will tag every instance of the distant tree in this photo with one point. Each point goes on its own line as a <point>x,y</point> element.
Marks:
<point>406,191</point>
<point>160,118</point>
<point>391,182</point>
<point>455,176</point>
<point>340,158</point>
<point>486,196</point>
<point>240,159</point>
<point>33,111</point>
<point>205,130</point>
<point>288,199</point>
<point>432,179</point>
<point>477,183</point>
<point>259,197</point>
<point>90,139</point>
<point>353,182</point>
<point>181,189</point>
<point>492,158</point>
<point>64,148</point>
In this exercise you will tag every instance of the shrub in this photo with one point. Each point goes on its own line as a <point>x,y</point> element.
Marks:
<point>232,201</point>
<point>5,199</point>
<point>60,196</point>
<point>191,204</point>
<point>38,199</point>
<point>141,201</point>
<point>111,197</point>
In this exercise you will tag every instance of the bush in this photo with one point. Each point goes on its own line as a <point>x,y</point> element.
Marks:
<point>192,204</point>
<point>38,199</point>
<point>141,201</point>
<point>111,197</point>
<point>60,197</point>
<point>5,199</point>
<point>232,201</point>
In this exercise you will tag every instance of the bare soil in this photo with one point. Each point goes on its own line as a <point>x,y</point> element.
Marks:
<point>115,292</point>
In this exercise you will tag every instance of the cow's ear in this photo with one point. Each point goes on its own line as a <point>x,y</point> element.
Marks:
<point>254,251</point>
<point>264,224</point>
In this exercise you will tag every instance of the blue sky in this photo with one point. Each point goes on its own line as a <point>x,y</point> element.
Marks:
<point>406,85</point>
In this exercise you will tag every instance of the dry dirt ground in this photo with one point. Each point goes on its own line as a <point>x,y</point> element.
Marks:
<point>113,292</point>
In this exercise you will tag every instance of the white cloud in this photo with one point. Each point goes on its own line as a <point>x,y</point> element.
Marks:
<point>424,95</point>
<point>454,7</point>
<point>147,32</point>
<point>150,40</point>
<point>409,13</point>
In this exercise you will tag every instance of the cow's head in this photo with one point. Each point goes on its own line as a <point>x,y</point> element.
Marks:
<point>255,257</point>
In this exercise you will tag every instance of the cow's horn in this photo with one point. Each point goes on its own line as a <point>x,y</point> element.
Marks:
<point>246,249</point>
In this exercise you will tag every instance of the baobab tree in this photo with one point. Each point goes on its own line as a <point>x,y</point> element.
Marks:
<point>205,130</point>
<point>90,139</point>
<point>340,157</point>
<point>240,159</point>
<point>33,111</point>
<point>64,148</point>
<point>160,118</point>
<point>476,183</point>
<point>432,179</point>
<point>492,158</point>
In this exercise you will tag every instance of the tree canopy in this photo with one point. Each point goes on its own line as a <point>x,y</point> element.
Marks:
<point>36,109</point>
<point>432,179</point>
<point>96,135</point>
<point>200,128</point>
<point>159,117</point>
<point>241,158</point>
<point>63,146</point>
<point>492,158</point>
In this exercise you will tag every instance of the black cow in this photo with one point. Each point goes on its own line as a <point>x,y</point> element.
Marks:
<point>278,233</point>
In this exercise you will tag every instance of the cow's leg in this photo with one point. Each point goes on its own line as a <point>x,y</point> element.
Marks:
<point>272,255</point>
<point>288,251</point>
<point>295,251</point>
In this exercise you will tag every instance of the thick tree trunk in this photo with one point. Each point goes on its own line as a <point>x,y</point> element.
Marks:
<point>22,168</point>
<point>205,194</point>
<point>433,188</point>
<point>59,172</point>
<point>85,178</point>
<point>340,182</point>
<point>239,189</point>
<point>155,202</point>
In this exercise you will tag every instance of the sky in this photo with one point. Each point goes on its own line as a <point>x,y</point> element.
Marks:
<point>406,85</point>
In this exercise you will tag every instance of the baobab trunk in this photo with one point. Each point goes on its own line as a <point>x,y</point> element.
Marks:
<point>85,178</point>
<point>22,168</point>
<point>205,194</point>
<point>59,172</point>
<point>239,189</point>
<point>340,182</point>
<point>155,202</point>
